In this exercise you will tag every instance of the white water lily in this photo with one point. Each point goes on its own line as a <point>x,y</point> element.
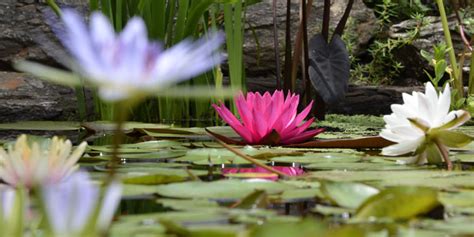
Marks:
<point>423,124</point>
<point>29,165</point>
<point>71,205</point>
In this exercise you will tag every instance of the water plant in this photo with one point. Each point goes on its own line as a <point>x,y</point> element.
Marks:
<point>27,165</point>
<point>269,119</point>
<point>424,125</point>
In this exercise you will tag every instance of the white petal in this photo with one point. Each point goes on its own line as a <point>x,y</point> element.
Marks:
<point>444,103</point>
<point>402,148</point>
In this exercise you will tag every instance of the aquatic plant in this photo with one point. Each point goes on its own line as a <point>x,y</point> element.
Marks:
<point>27,164</point>
<point>424,124</point>
<point>75,207</point>
<point>269,119</point>
<point>127,65</point>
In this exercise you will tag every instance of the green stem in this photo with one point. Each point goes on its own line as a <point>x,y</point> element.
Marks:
<point>120,117</point>
<point>458,85</point>
<point>54,6</point>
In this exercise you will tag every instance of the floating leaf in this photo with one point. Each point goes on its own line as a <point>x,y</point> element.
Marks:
<point>346,194</point>
<point>398,203</point>
<point>305,228</point>
<point>219,190</point>
<point>153,179</point>
<point>188,204</point>
<point>255,200</point>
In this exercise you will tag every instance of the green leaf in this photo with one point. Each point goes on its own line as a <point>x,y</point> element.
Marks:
<point>304,228</point>
<point>347,194</point>
<point>219,190</point>
<point>188,204</point>
<point>255,200</point>
<point>403,202</point>
<point>433,154</point>
<point>153,179</point>
<point>454,139</point>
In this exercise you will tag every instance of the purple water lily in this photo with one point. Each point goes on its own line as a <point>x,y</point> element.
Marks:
<point>70,205</point>
<point>128,65</point>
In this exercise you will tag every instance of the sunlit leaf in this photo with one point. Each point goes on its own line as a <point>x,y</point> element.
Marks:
<point>398,203</point>
<point>346,194</point>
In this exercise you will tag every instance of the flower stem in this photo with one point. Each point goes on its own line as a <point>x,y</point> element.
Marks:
<point>120,117</point>
<point>452,56</point>
<point>444,153</point>
<point>250,159</point>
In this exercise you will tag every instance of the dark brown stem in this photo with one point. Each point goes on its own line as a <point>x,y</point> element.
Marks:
<point>288,85</point>
<point>276,46</point>
<point>250,159</point>
<point>342,23</point>
<point>461,27</point>
<point>445,154</point>
<point>298,46</point>
<point>305,63</point>
<point>326,14</point>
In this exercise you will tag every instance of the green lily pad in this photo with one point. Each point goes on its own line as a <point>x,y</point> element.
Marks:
<point>398,203</point>
<point>347,194</point>
<point>220,190</point>
<point>153,179</point>
<point>188,204</point>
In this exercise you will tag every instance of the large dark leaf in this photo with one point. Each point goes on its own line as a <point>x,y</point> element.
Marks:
<point>329,67</point>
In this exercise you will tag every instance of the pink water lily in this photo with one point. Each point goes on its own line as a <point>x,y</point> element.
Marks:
<point>264,115</point>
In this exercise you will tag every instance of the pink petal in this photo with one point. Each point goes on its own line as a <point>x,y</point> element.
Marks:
<point>303,136</point>
<point>300,117</point>
<point>276,107</point>
<point>230,119</point>
<point>259,126</point>
<point>295,131</point>
<point>244,111</point>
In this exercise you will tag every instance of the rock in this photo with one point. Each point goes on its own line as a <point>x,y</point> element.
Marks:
<point>25,98</point>
<point>429,35</point>
<point>26,33</point>
<point>259,58</point>
<point>371,100</point>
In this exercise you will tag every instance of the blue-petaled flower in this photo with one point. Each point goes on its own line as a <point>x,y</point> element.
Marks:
<point>424,125</point>
<point>128,65</point>
<point>70,205</point>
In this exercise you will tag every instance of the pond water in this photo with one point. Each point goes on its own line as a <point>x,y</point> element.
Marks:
<point>179,182</point>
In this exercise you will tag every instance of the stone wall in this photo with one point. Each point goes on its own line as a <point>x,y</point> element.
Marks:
<point>26,35</point>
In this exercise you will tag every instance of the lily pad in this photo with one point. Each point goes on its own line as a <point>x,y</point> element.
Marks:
<point>398,203</point>
<point>346,194</point>
<point>222,190</point>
